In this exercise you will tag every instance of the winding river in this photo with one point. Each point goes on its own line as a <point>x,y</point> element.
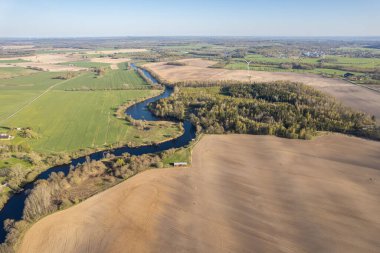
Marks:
<point>13,209</point>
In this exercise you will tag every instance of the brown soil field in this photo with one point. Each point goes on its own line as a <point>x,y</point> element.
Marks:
<point>51,58</point>
<point>351,95</point>
<point>113,62</point>
<point>242,194</point>
<point>49,62</point>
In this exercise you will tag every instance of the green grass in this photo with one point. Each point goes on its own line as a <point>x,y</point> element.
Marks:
<point>86,64</point>
<point>355,62</point>
<point>68,121</point>
<point>12,161</point>
<point>113,79</point>
<point>10,72</point>
<point>179,155</point>
<point>36,81</point>
<point>12,100</point>
<point>262,63</point>
<point>73,120</point>
<point>243,66</point>
<point>61,51</point>
<point>364,62</point>
<point>12,61</point>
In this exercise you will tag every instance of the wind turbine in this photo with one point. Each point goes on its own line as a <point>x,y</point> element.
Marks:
<point>249,74</point>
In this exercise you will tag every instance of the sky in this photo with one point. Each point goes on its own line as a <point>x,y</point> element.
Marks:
<point>96,18</point>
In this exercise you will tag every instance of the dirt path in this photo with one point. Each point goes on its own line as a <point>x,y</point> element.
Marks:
<point>242,194</point>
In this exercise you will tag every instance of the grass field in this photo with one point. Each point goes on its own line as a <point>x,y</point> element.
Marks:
<point>113,79</point>
<point>243,66</point>
<point>12,161</point>
<point>179,155</point>
<point>86,64</point>
<point>352,62</point>
<point>73,120</point>
<point>36,81</point>
<point>262,63</point>
<point>12,61</point>
<point>14,71</point>
<point>11,100</point>
<point>68,121</point>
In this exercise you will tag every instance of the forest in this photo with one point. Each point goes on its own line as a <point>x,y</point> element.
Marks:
<point>284,109</point>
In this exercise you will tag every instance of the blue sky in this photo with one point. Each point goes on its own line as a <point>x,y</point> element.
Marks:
<point>61,18</point>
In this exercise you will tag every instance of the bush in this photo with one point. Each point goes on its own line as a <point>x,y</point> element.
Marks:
<point>176,63</point>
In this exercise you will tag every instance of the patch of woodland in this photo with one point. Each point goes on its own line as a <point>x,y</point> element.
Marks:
<point>284,109</point>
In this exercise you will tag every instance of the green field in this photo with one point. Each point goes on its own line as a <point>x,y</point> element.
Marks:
<point>9,72</point>
<point>258,67</point>
<point>68,121</point>
<point>36,81</point>
<point>86,64</point>
<point>262,63</point>
<point>12,100</point>
<point>72,120</point>
<point>12,61</point>
<point>179,155</point>
<point>113,79</point>
<point>12,161</point>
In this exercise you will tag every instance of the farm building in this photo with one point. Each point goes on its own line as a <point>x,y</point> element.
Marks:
<point>177,164</point>
<point>6,137</point>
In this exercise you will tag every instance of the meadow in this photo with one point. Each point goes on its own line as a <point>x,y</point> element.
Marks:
<point>34,81</point>
<point>86,64</point>
<point>12,61</point>
<point>68,121</point>
<point>113,79</point>
<point>9,72</point>
<point>66,116</point>
<point>12,100</point>
<point>331,64</point>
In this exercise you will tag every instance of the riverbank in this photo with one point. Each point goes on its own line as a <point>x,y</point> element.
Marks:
<point>163,131</point>
<point>13,210</point>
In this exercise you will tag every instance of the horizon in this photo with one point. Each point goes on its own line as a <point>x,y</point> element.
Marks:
<point>168,18</point>
<point>323,38</point>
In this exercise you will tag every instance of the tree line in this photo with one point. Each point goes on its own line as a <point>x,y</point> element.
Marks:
<point>285,109</point>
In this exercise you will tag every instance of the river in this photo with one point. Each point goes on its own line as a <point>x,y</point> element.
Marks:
<point>14,208</point>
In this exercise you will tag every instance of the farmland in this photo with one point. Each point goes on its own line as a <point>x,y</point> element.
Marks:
<point>69,121</point>
<point>335,66</point>
<point>199,70</point>
<point>112,79</point>
<point>73,120</point>
<point>9,72</point>
<point>257,192</point>
<point>64,99</point>
<point>35,81</point>
<point>85,64</point>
